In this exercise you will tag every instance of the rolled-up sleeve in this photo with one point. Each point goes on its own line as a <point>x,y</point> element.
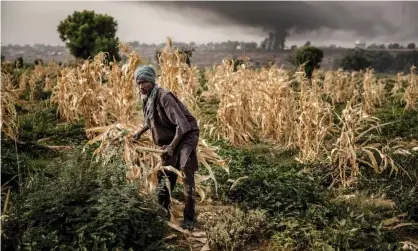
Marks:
<point>175,115</point>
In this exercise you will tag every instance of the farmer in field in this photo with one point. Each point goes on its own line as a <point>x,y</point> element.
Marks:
<point>174,129</point>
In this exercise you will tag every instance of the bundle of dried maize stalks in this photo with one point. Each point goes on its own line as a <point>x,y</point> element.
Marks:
<point>9,98</point>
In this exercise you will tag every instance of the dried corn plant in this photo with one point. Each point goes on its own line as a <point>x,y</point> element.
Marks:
<point>9,98</point>
<point>178,77</point>
<point>411,92</point>
<point>399,85</point>
<point>80,94</point>
<point>339,85</point>
<point>274,106</point>
<point>352,147</point>
<point>217,79</point>
<point>234,120</point>
<point>314,122</point>
<point>98,93</point>
<point>373,93</point>
<point>23,82</point>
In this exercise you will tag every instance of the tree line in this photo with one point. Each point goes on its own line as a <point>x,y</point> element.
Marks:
<point>381,61</point>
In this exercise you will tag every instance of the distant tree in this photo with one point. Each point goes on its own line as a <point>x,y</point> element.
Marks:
<point>19,62</point>
<point>404,60</point>
<point>381,61</point>
<point>394,46</point>
<point>355,59</point>
<point>293,47</point>
<point>134,44</point>
<point>250,46</point>
<point>87,33</point>
<point>411,46</point>
<point>373,46</point>
<point>382,46</point>
<point>38,61</point>
<point>308,43</point>
<point>310,56</point>
<point>2,58</point>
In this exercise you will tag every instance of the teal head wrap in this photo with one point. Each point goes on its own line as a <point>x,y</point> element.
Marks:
<point>144,73</point>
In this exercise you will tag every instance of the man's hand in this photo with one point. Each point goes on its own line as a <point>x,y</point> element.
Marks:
<point>168,150</point>
<point>137,135</point>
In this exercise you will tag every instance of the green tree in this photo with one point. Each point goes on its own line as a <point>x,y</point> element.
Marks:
<point>87,33</point>
<point>394,46</point>
<point>404,60</point>
<point>411,46</point>
<point>19,62</point>
<point>38,61</point>
<point>355,59</point>
<point>381,61</point>
<point>310,56</point>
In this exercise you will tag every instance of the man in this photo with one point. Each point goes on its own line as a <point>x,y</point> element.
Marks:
<point>174,129</point>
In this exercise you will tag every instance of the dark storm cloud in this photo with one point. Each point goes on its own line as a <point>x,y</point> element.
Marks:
<point>367,19</point>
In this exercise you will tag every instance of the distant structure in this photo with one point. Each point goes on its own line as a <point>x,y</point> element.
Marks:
<point>360,45</point>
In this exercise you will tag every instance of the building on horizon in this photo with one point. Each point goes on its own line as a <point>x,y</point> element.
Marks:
<point>360,45</point>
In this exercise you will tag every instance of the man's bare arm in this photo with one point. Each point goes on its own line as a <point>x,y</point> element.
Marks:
<point>138,134</point>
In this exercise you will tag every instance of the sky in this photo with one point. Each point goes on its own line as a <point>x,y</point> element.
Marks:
<point>36,22</point>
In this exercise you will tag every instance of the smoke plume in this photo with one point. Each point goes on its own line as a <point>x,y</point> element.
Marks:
<point>368,20</point>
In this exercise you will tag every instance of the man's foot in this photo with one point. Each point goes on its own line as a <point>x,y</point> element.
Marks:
<point>189,225</point>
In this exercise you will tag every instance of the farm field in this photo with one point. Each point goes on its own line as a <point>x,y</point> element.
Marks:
<point>287,162</point>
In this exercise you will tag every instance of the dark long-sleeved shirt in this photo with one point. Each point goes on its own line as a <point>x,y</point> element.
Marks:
<point>171,117</point>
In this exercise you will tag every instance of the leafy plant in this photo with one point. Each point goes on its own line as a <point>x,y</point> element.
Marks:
<point>77,205</point>
<point>232,229</point>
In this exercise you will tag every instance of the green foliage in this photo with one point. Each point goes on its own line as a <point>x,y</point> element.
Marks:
<point>402,189</point>
<point>339,227</point>
<point>404,60</point>
<point>77,205</point>
<point>232,229</point>
<point>87,33</point>
<point>19,62</point>
<point>38,61</point>
<point>406,122</point>
<point>277,187</point>
<point>381,61</point>
<point>44,123</point>
<point>411,46</point>
<point>356,60</point>
<point>310,56</point>
<point>303,214</point>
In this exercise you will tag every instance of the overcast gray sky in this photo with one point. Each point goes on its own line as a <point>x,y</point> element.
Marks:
<point>36,22</point>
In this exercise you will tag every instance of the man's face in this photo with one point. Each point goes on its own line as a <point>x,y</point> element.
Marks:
<point>145,88</point>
